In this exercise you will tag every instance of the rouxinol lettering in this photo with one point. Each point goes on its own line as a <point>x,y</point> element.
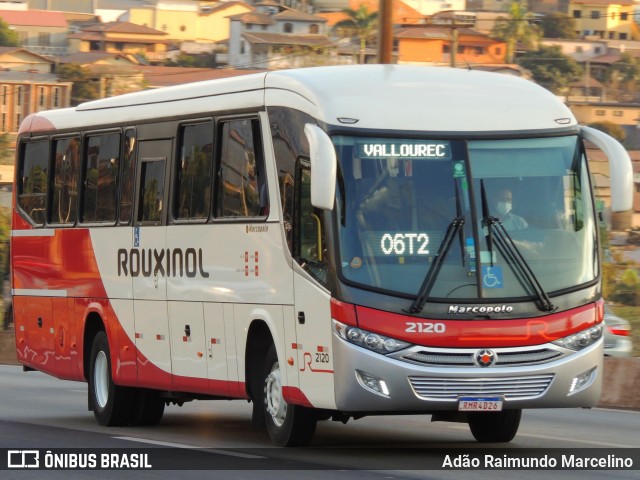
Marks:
<point>148,262</point>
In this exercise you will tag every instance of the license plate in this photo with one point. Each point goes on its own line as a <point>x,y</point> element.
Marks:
<point>480,404</point>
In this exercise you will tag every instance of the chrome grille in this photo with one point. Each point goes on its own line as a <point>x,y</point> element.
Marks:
<point>511,388</point>
<point>465,359</point>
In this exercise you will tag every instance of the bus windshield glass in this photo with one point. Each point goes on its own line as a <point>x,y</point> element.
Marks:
<point>492,208</point>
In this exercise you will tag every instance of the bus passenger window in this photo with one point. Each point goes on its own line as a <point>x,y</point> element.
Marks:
<point>102,167</point>
<point>193,189</point>
<point>242,185</point>
<point>32,183</point>
<point>66,165</point>
<point>152,192</point>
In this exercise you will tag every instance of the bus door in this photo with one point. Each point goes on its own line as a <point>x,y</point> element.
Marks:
<point>149,265</point>
<point>312,302</point>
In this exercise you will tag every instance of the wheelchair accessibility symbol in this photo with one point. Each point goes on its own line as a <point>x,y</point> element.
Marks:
<point>492,277</point>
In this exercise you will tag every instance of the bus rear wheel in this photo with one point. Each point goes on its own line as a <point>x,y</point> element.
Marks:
<point>288,425</point>
<point>149,408</point>
<point>494,427</point>
<point>111,403</point>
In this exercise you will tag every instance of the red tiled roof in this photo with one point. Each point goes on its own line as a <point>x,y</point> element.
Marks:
<point>166,76</point>
<point>34,18</point>
<point>123,27</point>
<point>402,13</point>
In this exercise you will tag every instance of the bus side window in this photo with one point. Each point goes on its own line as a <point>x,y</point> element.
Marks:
<point>66,166</point>
<point>241,184</point>
<point>193,189</point>
<point>33,180</point>
<point>102,164</point>
<point>308,232</point>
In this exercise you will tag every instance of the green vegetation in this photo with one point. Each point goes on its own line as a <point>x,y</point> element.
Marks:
<point>85,87</point>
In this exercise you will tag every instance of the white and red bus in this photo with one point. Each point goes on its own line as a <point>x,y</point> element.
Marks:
<point>332,242</point>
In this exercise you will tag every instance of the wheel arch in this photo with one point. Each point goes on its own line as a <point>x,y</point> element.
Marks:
<point>259,338</point>
<point>93,324</point>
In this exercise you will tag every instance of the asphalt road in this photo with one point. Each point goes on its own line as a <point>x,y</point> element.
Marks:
<point>44,413</point>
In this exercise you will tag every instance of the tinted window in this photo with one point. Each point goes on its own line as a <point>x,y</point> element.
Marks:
<point>193,190</point>
<point>242,184</point>
<point>65,180</point>
<point>32,184</point>
<point>101,181</point>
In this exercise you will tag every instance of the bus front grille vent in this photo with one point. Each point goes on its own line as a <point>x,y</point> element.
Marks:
<point>511,388</point>
<point>505,358</point>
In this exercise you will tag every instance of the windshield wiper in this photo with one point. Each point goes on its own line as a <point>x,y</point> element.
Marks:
<point>453,228</point>
<point>497,233</point>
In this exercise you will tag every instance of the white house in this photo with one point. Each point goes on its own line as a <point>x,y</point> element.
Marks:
<point>274,36</point>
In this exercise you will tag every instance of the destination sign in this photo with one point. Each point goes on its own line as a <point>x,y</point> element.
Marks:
<point>415,150</point>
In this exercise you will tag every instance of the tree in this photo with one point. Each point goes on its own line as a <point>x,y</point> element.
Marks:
<point>613,129</point>
<point>85,87</point>
<point>360,23</point>
<point>623,79</point>
<point>551,68</point>
<point>8,37</point>
<point>558,25</point>
<point>516,29</point>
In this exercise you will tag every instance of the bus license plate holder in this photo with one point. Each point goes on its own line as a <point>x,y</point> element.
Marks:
<point>480,404</point>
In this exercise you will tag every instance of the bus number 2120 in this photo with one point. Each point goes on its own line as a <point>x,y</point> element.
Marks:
<point>425,327</point>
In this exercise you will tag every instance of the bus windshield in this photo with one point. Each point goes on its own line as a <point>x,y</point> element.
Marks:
<point>477,212</point>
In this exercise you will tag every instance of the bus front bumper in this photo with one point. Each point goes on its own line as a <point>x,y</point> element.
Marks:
<point>369,382</point>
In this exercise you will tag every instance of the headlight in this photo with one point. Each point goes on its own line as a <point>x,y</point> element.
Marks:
<point>582,339</point>
<point>371,341</point>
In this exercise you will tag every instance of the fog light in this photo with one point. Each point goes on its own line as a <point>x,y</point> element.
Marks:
<point>372,383</point>
<point>582,381</point>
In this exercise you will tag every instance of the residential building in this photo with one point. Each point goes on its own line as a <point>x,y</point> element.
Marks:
<point>626,115</point>
<point>429,7</point>
<point>432,45</point>
<point>114,72</point>
<point>77,6</point>
<point>24,93</point>
<point>401,13</point>
<point>187,20</point>
<point>21,60</point>
<point>120,37</point>
<point>40,31</point>
<point>160,76</point>
<point>608,19</point>
<point>581,50</point>
<point>274,36</point>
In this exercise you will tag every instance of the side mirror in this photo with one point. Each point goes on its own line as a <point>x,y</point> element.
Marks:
<point>324,166</point>
<point>620,168</point>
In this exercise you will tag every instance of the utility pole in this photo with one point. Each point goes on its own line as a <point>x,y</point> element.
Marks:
<point>385,32</point>
<point>454,41</point>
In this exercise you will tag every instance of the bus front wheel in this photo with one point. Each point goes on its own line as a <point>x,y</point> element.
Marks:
<point>288,425</point>
<point>493,427</point>
<point>111,404</point>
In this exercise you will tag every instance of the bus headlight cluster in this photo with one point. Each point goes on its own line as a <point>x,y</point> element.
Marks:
<point>582,339</point>
<point>371,341</point>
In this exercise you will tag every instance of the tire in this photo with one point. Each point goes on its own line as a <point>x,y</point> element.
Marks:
<point>149,408</point>
<point>288,425</point>
<point>494,427</point>
<point>112,404</point>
